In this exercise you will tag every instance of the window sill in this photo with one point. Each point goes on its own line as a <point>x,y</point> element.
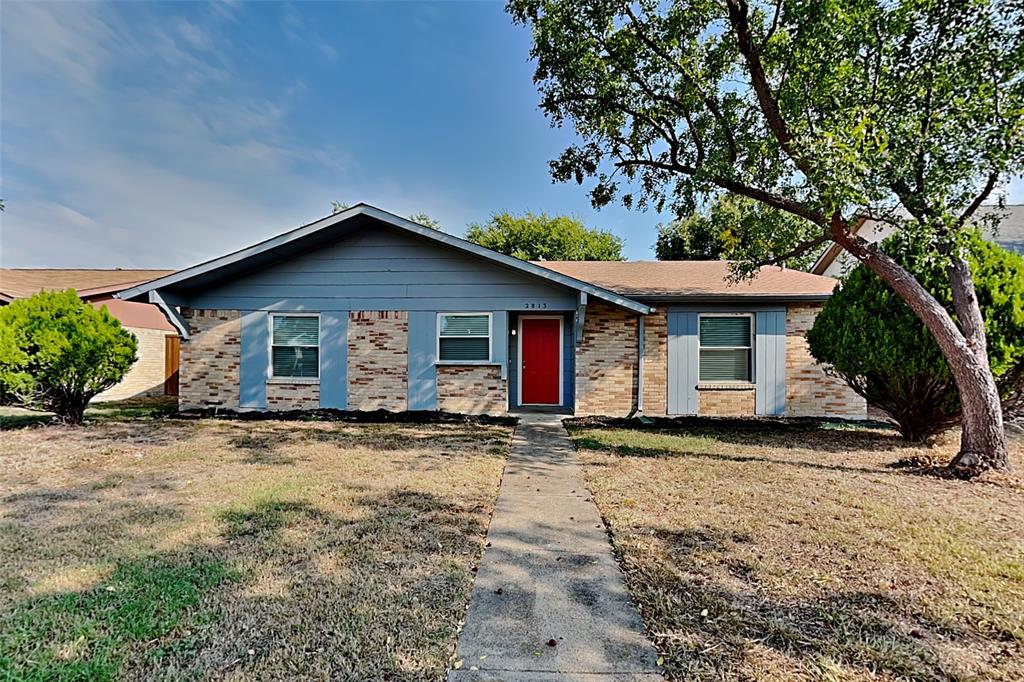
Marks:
<point>726,386</point>
<point>476,363</point>
<point>293,380</point>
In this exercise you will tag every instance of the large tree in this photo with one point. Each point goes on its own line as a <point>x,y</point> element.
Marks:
<point>538,236</point>
<point>909,111</point>
<point>725,230</point>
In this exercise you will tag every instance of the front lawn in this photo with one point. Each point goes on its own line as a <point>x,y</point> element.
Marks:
<point>208,549</point>
<point>770,553</point>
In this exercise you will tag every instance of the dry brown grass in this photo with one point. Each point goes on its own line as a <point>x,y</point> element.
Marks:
<point>260,550</point>
<point>765,555</point>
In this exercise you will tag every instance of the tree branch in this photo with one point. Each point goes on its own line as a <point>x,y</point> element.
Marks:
<point>799,250</point>
<point>990,184</point>
<point>759,81</point>
<point>709,101</point>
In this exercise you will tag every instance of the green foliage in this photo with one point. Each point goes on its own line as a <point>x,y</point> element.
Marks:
<point>884,352</point>
<point>57,352</point>
<point>732,228</point>
<point>425,220</point>
<point>807,106</point>
<point>538,236</point>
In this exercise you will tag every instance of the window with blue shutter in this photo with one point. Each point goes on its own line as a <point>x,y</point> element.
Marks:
<point>464,337</point>
<point>725,347</point>
<point>295,346</point>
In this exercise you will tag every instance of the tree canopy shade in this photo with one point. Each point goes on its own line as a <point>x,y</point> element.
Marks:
<point>538,236</point>
<point>909,111</point>
<point>57,352</point>
<point>883,351</point>
<point>726,230</point>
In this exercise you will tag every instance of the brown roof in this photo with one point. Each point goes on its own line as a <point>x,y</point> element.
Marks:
<point>132,314</point>
<point>691,278</point>
<point>22,282</point>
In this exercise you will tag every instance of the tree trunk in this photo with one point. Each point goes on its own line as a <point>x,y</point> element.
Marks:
<point>983,442</point>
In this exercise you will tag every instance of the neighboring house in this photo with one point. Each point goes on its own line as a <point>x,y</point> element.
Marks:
<point>364,310</point>
<point>835,262</point>
<point>155,370</point>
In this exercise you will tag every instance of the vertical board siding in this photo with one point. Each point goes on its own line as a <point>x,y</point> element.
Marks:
<point>334,360</point>
<point>499,343</point>
<point>384,270</point>
<point>568,363</point>
<point>770,362</point>
<point>682,363</point>
<point>422,381</point>
<point>254,360</point>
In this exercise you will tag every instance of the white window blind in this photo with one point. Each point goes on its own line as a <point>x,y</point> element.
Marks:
<point>725,345</point>
<point>295,346</point>
<point>464,337</point>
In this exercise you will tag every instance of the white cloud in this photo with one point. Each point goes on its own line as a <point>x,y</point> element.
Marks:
<point>141,145</point>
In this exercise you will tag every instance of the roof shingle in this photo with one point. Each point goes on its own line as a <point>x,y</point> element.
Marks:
<point>23,282</point>
<point>691,278</point>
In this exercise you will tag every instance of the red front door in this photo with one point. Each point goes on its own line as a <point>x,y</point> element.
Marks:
<point>541,360</point>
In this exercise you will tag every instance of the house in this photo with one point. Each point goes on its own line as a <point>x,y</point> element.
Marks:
<point>365,310</point>
<point>155,370</point>
<point>835,262</point>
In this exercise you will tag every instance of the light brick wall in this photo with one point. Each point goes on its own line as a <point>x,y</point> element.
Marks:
<point>293,396</point>
<point>726,402</point>
<point>210,358</point>
<point>606,362</point>
<point>810,392</point>
<point>471,389</point>
<point>146,376</point>
<point>656,363</point>
<point>378,346</point>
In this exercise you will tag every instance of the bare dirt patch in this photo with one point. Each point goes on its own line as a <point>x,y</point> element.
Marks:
<point>800,553</point>
<point>215,549</point>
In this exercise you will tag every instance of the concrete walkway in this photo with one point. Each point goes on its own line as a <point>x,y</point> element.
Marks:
<point>549,602</point>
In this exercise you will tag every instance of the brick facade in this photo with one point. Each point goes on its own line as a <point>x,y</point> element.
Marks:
<point>656,362</point>
<point>378,347</point>
<point>726,402</point>
<point>146,376</point>
<point>209,360</point>
<point>605,369</point>
<point>471,389</point>
<point>810,392</point>
<point>606,362</point>
<point>293,396</point>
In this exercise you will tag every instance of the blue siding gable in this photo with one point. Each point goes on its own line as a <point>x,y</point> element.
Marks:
<point>384,270</point>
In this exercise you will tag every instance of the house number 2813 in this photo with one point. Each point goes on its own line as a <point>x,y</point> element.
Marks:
<point>534,306</point>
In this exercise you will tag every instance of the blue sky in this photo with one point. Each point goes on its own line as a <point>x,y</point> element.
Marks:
<point>161,135</point>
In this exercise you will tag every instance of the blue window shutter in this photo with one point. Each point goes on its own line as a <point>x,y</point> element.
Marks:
<point>422,379</point>
<point>255,357</point>
<point>334,359</point>
<point>683,352</point>
<point>770,362</point>
<point>499,340</point>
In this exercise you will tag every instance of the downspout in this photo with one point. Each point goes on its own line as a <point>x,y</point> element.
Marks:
<point>639,367</point>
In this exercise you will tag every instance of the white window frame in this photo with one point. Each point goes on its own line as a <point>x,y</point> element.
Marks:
<point>749,349</point>
<point>490,334</point>
<point>270,348</point>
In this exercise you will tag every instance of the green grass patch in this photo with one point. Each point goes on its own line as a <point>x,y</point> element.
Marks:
<point>140,610</point>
